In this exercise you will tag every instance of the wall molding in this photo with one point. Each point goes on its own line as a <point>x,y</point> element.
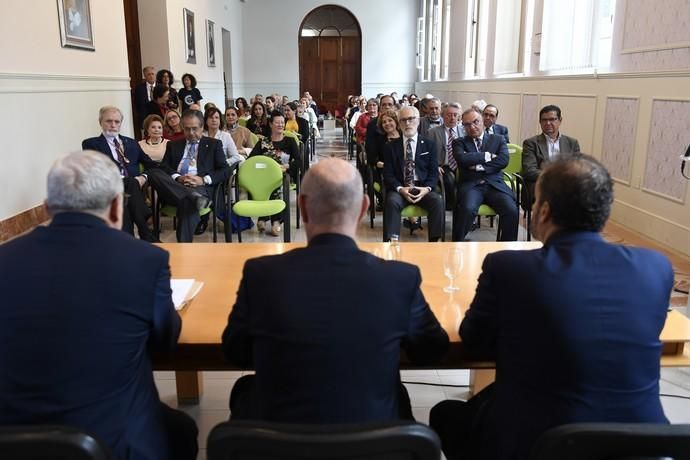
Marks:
<point>22,222</point>
<point>13,83</point>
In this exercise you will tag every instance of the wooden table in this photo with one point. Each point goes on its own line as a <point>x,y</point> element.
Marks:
<point>219,266</point>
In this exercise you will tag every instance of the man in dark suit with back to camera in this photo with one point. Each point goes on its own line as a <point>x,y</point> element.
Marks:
<point>481,158</point>
<point>131,161</point>
<point>490,115</point>
<point>410,173</point>
<point>187,174</point>
<point>326,343</point>
<point>573,327</point>
<point>83,304</point>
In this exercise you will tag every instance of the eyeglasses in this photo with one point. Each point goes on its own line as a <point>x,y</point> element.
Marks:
<point>472,123</point>
<point>408,119</point>
<point>548,120</point>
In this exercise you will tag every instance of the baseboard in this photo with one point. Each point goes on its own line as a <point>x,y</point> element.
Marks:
<point>20,223</point>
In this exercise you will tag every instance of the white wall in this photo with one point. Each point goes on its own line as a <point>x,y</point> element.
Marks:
<point>153,35</point>
<point>50,95</point>
<point>271,51</point>
<point>226,14</point>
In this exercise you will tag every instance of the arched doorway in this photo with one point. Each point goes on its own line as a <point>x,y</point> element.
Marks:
<point>330,56</point>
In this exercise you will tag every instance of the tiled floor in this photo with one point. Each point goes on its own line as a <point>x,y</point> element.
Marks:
<point>213,407</point>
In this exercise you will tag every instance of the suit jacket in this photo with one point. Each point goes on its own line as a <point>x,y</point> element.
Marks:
<point>501,130</point>
<point>467,156</point>
<point>438,135</point>
<point>574,329</point>
<point>76,330</point>
<point>426,165</point>
<point>137,158</point>
<point>141,99</point>
<point>328,351</point>
<point>535,153</point>
<point>425,125</point>
<point>210,159</point>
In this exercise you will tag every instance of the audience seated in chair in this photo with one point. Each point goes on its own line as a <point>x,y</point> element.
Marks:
<point>83,306</point>
<point>481,158</point>
<point>573,326</point>
<point>490,115</point>
<point>324,325</point>
<point>241,135</point>
<point>188,172</point>
<point>410,173</point>
<point>130,159</point>
<point>443,137</point>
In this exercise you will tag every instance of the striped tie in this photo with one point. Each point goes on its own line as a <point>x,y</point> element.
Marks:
<point>121,158</point>
<point>449,150</point>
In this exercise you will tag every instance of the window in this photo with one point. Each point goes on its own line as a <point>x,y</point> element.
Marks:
<point>576,34</point>
<point>478,39</point>
<point>433,39</point>
<point>507,41</point>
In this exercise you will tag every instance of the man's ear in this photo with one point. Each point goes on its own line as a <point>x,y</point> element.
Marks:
<point>365,207</point>
<point>115,211</point>
<point>302,203</point>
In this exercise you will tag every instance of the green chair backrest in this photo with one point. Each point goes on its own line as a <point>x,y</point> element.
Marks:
<point>291,134</point>
<point>515,160</point>
<point>242,122</point>
<point>260,176</point>
<point>253,138</point>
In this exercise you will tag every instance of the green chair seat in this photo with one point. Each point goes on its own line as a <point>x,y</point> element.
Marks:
<point>251,208</point>
<point>377,187</point>
<point>486,211</point>
<point>413,211</point>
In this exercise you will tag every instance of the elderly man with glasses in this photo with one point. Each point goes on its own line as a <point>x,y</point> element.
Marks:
<point>481,157</point>
<point>410,173</point>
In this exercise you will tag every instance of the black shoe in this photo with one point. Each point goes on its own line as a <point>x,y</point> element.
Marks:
<point>201,227</point>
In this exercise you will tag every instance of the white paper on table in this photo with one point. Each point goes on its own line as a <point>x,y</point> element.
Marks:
<point>184,290</point>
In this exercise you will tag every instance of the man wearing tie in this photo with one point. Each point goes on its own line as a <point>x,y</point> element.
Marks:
<point>188,172</point>
<point>481,158</point>
<point>410,173</point>
<point>443,136</point>
<point>130,160</point>
<point>143,93</point>
<point>490,115</point>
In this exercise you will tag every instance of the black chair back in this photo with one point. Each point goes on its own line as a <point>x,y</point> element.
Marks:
<point>243,440</point>
<point>50,443</point>
<point>613,441</point>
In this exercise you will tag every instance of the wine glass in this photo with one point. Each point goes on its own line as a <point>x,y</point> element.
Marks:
<point>452,266</point>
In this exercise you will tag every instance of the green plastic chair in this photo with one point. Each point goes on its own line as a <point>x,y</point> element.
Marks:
<point>253,138</point>
<point>260,176</point>
<point>417,211</point>
<point>242,122</point>
<point>513,167</point>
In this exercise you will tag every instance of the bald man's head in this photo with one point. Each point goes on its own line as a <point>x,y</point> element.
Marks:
<point>331,197</point>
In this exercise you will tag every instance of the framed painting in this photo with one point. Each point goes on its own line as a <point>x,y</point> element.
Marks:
<point>211,43</point>
<point>189,37</point>
<point>75,24</point>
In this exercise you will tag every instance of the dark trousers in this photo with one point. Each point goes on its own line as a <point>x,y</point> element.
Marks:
<point>136,211</point>
<point>459,425</point>
<point>432,203</point>
<point>241,400</point>
<point>182,433</point>
<point>448,178</point>
<point>468,201</point>
<point>183,198</point>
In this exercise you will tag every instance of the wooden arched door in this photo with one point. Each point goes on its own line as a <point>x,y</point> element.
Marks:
<point>330,57</point>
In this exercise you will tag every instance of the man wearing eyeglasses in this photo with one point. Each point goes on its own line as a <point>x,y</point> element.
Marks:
<point>481,158</point>
<point>187,174</point>
<point>540,149</point>
<point>410,173</point>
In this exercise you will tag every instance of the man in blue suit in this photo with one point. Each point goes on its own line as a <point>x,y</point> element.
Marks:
<point>83,304</point>
<point>131,161</point>
<point>490,115</point>
<point>324,325</point>
<point>410,174</point>
<point>481,158</point>
<point>573,327</point>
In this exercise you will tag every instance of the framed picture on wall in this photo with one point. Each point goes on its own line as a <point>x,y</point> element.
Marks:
<point>211,42</point>
<point>75,24</point>
<point>189,37</point>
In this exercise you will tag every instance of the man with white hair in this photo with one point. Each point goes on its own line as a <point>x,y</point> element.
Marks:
<point>410,173</point>
<point>333,356</point>
<point>83,305</point>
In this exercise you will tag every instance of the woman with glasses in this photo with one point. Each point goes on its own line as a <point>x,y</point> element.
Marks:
<point>172,128</point>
